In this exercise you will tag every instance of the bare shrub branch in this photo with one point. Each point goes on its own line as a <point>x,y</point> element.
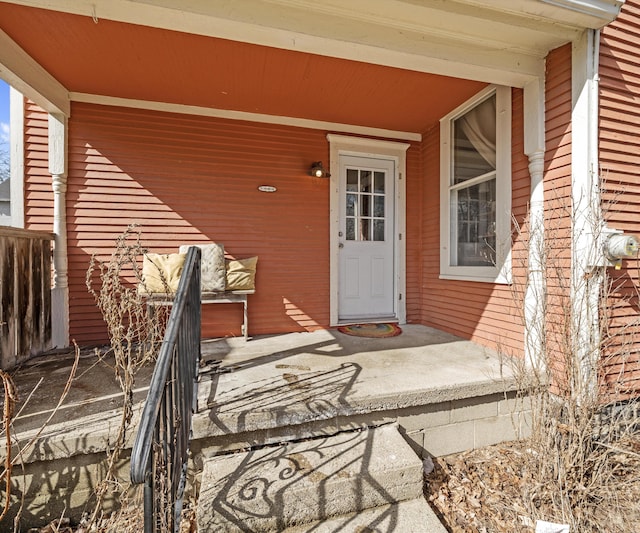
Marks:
<point>578,386</point>
<point>135,332</point>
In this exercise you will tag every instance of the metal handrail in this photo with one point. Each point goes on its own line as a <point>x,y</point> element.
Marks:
<point>160,451</point>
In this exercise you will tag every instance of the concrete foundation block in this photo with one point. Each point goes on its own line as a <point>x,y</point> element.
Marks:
<point>273,488</point>
<point>513,404</point>
<point>474,408</point>
<point>425,416</point>
<point>452,438</point>
<point>496,429</point>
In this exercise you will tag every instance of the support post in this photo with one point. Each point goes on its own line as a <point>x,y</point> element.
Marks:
<point>587,223</point>
<point>60,285</point>
<point>535,295</point>
<point>16,142</point>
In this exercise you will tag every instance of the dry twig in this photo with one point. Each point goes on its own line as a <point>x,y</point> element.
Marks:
<point>135,333</point>
<point>10,399</point>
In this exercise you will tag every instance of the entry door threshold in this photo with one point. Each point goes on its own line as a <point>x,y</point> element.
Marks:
<point>368,320</point>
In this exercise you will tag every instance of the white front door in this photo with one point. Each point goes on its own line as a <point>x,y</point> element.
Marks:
<point>366,280</point>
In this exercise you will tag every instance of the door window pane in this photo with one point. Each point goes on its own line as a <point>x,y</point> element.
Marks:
<point>378,230</point>
<point>365,229</point>
<point>352,180</point>
<point>352,202</point>
<point>378,206</point>
<point>351,229</point>
<point>378,186</point>
<point>365,205</point>
<point>365,181</point>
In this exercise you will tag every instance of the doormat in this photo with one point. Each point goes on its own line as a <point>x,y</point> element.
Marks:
<point>376,331</point>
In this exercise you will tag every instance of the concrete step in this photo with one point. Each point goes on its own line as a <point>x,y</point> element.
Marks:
<point>270,489</point>
<point>412,516</point>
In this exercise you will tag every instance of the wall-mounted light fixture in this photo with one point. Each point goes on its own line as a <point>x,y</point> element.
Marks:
<point>317,170</point>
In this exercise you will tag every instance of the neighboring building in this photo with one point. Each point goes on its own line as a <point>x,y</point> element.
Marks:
<point>5,202</point>
<point>458,136</point>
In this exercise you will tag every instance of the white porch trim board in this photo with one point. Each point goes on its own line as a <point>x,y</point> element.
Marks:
<point>587,275</point>
<point>26,75</point>
<point>16,147</point>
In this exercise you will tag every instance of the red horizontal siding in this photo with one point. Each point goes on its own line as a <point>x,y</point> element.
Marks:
<point>38,192</point>
<point>618,151</point>
<point>557,210</point>
<point>189,179</point>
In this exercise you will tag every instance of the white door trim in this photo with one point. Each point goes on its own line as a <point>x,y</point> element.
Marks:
<point>377,149</point>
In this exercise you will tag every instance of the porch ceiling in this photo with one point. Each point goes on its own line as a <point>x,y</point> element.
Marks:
<point>137,62</point>
<point>392,64</point>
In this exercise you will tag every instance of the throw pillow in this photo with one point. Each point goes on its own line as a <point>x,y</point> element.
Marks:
<point>212,267</point>
<point>161,272</point>
<point>241,274</point>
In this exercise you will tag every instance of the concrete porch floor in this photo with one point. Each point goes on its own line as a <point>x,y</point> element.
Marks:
<point>270,383</point>
<point>306,384</point>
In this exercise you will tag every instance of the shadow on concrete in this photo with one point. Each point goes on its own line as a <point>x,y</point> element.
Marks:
<point>313,395</point>
<point>287,380</point>
<point>276,488</point>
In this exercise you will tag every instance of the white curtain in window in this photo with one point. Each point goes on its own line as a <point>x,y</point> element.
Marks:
<point>479,125</point>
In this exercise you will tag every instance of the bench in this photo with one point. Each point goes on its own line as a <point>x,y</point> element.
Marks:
<point>219,297</point>
<point>163,271</point>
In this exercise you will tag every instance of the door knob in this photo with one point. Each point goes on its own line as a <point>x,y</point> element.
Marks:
<point>340,245</point>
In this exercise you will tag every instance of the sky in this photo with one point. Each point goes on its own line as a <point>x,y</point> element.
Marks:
<point>4,112</point>
<point>4,130</point>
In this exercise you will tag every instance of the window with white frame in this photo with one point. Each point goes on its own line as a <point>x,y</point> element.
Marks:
<point>475,188</point>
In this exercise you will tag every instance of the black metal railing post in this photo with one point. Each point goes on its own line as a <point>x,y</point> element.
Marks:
<point>160,452</point>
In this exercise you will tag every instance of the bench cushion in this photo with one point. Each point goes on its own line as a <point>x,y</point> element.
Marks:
<point>212,267</point>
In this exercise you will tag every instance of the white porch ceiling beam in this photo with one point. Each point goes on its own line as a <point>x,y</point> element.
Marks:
<point>23,73</point>
<point>230,114</point>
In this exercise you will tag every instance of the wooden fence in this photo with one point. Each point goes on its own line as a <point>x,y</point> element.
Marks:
<point>25,294</point>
